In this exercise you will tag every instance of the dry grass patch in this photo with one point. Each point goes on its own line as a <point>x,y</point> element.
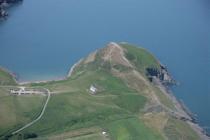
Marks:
<point>156,120</point>
<point>90,58</point>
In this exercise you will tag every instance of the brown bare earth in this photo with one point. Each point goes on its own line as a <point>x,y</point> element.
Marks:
<point>91,57</point>
<point>115,54</point>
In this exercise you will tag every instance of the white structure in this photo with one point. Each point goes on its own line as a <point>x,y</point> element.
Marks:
<point>104,133</point>
<point>18,92</point>
<point>23,91</point>
<point>93,89</point>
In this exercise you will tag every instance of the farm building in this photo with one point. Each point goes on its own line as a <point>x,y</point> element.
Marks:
<point>24,91</point>
<point>93,89</point>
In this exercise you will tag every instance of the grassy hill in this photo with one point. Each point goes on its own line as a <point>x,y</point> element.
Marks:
<point>127,106</point>
<point>6,78</point>
<point>17,111</point>
<point>140,57</point>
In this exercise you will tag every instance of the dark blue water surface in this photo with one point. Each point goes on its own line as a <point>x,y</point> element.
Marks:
<point>42,39</point>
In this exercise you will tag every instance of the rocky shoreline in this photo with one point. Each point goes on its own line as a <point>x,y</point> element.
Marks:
<point>164,84</point>
<point>4,4</point>
<point>188,117</point>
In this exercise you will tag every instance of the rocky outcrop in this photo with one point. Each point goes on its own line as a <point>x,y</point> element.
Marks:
<point>9,1</point>
<point>162,74</point>
<point>3,6</point>
<point>3,13</point>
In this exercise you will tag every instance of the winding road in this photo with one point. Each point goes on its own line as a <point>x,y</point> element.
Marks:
<point>38,118</point>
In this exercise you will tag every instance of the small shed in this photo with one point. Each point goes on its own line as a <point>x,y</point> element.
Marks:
<point>93,89</point>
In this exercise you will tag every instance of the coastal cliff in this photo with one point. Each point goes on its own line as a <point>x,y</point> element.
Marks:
<point>162,74</point>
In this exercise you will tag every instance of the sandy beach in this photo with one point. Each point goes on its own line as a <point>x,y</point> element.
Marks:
<point>69,73</point>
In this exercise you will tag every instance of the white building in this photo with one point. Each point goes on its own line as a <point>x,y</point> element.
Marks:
<point>93,89</point>
<point>24,91</point>
<point>20,91</point>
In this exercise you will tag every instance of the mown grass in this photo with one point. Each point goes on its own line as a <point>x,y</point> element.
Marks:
<point>6,78</point>
<point>179,130</point>
<point>131,129</point>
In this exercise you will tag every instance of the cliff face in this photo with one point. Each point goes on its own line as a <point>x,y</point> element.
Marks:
<point>161,74</point>
<point>119,54</point>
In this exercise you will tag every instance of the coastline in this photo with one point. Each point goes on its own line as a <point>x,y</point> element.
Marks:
<point>69,73</point>
<point>71,70</point>
<point>189,117</point>
<point>14,76</point>
<point>186,115</point>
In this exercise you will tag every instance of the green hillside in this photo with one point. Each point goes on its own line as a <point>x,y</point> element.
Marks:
<point>126,105</point>
<point>16,111</point>
<point>140,57</point>
<point>6,78</point>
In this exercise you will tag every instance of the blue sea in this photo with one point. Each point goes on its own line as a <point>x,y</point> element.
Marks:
<point>41,40</point>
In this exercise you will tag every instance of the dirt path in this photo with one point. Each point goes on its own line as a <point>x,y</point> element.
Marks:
<point>38,118</point>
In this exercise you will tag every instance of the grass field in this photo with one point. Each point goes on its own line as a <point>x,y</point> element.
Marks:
<point>78,108</point>
<point>179,130</point>
<point>16,111</point>
<point>131,129</point>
